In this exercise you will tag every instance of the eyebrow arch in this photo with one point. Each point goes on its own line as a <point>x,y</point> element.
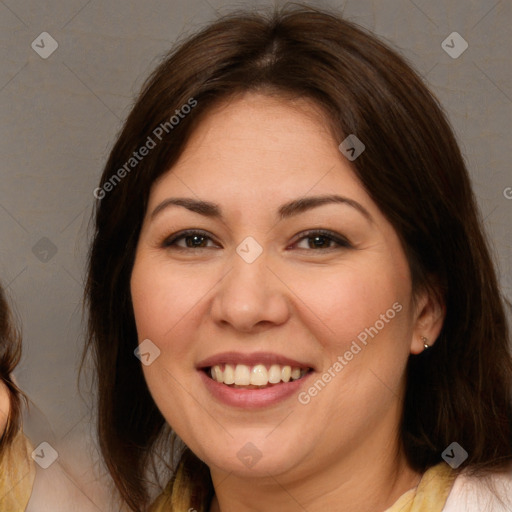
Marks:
<point>295,207</point>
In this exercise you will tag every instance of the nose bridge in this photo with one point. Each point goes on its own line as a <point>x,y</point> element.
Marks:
<point>250,294</point>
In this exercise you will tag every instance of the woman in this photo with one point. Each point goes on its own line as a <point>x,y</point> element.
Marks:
<point>17,470</point>
<point>287,240</point>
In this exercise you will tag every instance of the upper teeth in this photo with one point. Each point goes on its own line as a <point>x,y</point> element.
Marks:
<point>258,375</point>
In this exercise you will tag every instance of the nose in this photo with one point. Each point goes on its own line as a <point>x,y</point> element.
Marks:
<point>250,297</point>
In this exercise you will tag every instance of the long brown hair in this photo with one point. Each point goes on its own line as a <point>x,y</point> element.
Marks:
<point>460,389</point>
<point>10,354</point>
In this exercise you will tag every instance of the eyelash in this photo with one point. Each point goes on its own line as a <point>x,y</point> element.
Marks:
<point>342,242</point>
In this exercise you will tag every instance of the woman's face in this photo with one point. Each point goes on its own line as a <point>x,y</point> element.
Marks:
<point>257,293</point>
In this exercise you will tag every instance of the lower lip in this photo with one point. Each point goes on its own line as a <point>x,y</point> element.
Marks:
<point>253,398</point>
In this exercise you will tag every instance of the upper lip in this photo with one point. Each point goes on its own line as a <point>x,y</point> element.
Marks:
<point>266,358</point>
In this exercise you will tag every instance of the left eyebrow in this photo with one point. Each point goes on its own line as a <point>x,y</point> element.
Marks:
<point>295,207</point>
<point>298,206</point>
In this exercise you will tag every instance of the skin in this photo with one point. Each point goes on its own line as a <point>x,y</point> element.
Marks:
<point>341,451</point>
<point>4,407</point>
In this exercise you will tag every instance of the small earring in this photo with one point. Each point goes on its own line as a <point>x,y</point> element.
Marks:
<point>425,344</point>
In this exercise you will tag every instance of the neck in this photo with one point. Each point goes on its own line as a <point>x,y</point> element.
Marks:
<point>355,484</point>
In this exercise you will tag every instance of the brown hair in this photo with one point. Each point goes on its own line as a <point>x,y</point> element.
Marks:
<point>10,354</point>
<point>460,389</point>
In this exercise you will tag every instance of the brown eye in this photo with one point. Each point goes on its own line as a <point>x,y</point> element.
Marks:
<point>322,239</point>
<point>193,240</point>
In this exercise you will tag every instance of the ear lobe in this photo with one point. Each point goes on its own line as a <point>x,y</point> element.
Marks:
<point>430,315</point>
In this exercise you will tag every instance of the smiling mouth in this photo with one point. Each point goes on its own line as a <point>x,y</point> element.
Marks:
<point>259,376</point>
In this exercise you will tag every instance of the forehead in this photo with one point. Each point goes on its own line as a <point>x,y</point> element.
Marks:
<point>260,146</point>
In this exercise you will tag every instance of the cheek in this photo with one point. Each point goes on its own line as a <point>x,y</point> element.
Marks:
<point>347,300</point>
<point>161,299</point>
<point>163,306</point>
<point>365,333</point>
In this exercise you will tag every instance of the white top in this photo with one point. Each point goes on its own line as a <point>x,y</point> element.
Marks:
<point>470,494</point>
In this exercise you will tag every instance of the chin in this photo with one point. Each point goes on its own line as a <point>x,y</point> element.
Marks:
<point>258,458</point>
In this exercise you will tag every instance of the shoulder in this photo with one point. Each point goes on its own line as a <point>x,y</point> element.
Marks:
<point>17,474</point>
<point>473,494</point>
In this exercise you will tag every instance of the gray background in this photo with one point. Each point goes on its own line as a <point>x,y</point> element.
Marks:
<point>60,116</point>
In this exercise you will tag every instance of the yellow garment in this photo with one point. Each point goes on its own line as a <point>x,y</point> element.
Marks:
<point>429,496</point>
<point>17,473</point>
<point>431,493</point>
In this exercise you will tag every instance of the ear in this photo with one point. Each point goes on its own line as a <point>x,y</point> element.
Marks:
<point>430,313</point>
